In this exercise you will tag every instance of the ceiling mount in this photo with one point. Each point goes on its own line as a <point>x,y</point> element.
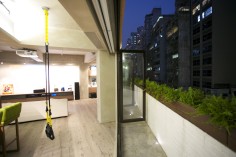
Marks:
<point>45,8</point>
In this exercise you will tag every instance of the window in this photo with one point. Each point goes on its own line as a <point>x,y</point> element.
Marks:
<point>196,62</point>
<point>206,84</point>
<point>207,12</point>
<point>207,61</point>
<point>196,52</point>
<point>204,2</point>
<point>175,56</point>
<point>196,41</point>
<point>196,9</point>
<point>206,48</point>
<point>196,30</point>
<point>196,72</point>
<point>195,1</point>
<point>206,72</point>
<point>196,18</point>
<point>206,24</point>
<point>196,83</point>
<point>207,36</point>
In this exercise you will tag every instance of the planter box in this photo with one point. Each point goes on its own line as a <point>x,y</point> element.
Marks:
<point>181,134</point>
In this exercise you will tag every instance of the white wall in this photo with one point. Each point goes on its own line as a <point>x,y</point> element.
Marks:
<point>138,98</point>
<point>26,78</point>
<point>106,87</point>
<point>180,138</point>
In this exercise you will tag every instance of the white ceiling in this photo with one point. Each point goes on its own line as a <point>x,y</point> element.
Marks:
<point>72,27</point>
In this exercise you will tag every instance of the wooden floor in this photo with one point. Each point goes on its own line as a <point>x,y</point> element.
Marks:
<point>78,135</point>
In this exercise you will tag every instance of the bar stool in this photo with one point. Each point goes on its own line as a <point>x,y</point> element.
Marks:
<point>10,113</point>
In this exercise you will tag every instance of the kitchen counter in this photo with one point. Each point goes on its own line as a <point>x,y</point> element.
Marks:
<point>35,97</point>
<point>33,105</point>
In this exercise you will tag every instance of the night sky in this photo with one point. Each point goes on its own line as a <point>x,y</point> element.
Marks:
<point>135,11</point>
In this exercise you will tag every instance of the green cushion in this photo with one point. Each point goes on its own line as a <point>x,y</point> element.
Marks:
<point>10,113</point>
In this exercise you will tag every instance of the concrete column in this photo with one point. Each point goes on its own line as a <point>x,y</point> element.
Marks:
<point>106,87</point>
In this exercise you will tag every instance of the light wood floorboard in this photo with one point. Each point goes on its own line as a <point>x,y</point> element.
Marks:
<point>78,135</point>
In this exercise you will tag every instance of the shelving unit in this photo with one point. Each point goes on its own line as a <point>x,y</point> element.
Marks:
<point>92,76</point>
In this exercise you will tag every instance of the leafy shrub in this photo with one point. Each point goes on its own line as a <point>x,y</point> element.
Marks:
<point>191,96</point>
<point>138,82</point>
<point>171,94</point>
<point>150,87</point>
<point>222,111</point>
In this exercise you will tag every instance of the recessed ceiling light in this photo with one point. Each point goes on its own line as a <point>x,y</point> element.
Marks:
<point>1,62</point>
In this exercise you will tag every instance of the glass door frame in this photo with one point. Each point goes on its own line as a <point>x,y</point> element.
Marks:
<point>120,86</point>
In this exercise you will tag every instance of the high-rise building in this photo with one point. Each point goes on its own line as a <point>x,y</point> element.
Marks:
<point>149,21</point>
<point>213,50</point>
<point>133,37</point>
<point>157,49</point>
<point>135,42</point>
<point>128,44</point>
<point>168,53</point>
<point>140,38</point>
<point>178,46</point>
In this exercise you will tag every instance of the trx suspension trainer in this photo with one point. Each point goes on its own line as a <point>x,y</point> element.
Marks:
<point>48,129</point>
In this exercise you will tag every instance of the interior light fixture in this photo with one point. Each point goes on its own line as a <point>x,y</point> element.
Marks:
<point>27,53</point>
<point>3,7</point>
<point>30,54</point>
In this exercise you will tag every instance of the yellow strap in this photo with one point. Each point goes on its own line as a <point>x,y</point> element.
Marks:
<point>46,25</point>
<point>45,9</point>
<point>48,117</point>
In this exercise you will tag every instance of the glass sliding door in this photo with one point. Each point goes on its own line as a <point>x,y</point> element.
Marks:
<point>132,85</point>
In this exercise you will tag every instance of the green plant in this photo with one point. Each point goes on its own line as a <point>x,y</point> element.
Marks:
<point>171,94</point>
<point>222,111</point>
<point>138,82</point>
<point>151,87</point>
<point>191,96</point>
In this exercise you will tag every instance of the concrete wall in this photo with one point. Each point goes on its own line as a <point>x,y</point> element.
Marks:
<point>106,87</point>
<point>180,138</point>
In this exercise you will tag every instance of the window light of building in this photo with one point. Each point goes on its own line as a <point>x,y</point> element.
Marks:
<point>197,8</point>
<point>198,18</point>
<point>208,12</point>
<point>175,56</point>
